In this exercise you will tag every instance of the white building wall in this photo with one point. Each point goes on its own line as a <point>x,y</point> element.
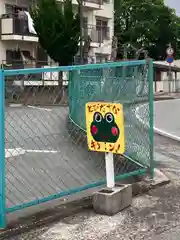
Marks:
<point>164,85</point>
<point>106,12</point>
<point>9,45</point>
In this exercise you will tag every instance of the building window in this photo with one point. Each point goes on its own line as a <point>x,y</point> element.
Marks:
<point>18,56</point>
<point>102,29</point>
<point>85,22</point>
<point>13,59</point>
<point>13,55</point>
<point>9,9</point>
<point>13,9</point>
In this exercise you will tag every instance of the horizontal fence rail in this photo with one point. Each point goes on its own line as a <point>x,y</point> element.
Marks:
<point>46,155</point>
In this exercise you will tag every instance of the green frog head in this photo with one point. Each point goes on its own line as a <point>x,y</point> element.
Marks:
<point>104,129</point>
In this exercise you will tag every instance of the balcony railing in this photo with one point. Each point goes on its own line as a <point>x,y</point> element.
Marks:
<point>13,25</point>
<point>99,2</point>
<point>96,33</point>
<point>28,63</point>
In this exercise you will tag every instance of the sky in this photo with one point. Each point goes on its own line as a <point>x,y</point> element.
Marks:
<point>174,4</point>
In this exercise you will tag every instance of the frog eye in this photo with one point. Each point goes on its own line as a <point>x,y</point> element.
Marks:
<point>97,117</point>
<point>109,117</point>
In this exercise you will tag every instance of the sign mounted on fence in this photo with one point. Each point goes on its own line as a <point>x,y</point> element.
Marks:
<point>105,127</point>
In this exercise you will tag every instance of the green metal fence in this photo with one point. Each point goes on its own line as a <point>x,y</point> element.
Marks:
<point>131,84</point>
<point>44,153</point>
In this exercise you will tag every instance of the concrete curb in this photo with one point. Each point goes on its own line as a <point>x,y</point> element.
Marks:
<point>167,135</point>
<point>56,214</point>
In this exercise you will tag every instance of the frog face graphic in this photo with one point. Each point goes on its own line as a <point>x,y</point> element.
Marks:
<point>104,129</point>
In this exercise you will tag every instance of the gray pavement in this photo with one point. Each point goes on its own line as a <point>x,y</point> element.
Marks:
<point>42,158</point>
<point>167,116</point>
<point>152,216</point>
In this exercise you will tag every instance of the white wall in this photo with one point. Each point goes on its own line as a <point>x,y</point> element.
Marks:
<point>13,44</point>
<point>164,85</point>
<point>107,12</point>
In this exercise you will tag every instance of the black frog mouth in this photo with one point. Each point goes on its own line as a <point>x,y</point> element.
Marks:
<point>104,137</point>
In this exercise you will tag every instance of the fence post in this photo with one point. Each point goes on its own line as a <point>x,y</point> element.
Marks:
<point>2,152</point>
<point>151,116</point>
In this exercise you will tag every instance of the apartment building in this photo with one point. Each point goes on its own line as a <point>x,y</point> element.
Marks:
<point>98,23</point>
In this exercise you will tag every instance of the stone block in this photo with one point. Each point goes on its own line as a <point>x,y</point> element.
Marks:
<point>111,201</point>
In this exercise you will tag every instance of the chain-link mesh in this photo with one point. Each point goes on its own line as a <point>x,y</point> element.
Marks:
<point>46,150</point>
<point>127,85</point>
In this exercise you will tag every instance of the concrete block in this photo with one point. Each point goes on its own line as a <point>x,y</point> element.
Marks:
<point>111,201</point>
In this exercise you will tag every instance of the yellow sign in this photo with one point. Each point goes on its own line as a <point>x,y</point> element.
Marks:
<point>105,127</point>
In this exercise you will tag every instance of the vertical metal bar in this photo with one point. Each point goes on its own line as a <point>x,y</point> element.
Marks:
<point>2,152</point>
<point>70,89</point>
<point>151,117</point>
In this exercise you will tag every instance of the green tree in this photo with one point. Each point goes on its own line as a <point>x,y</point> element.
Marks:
<point>146,23</point>
<point>58,29</point>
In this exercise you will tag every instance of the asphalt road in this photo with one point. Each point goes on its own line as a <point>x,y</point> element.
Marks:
<point>152,216</point>
<point>167,116</point>
<point>42,159</point>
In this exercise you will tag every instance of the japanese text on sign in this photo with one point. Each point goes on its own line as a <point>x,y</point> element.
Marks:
<point>105,127</point>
